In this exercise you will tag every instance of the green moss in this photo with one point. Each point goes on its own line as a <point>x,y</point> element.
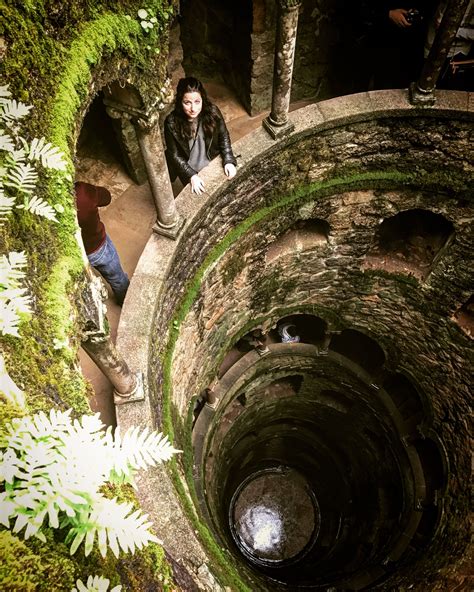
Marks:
<point>223,564</point>
<point>20,569</point>
<point>9,412</point>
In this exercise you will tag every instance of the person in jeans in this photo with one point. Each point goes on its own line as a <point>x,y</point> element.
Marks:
<point>99,248</point>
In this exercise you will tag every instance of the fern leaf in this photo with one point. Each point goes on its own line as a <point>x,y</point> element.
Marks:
<point>124,531</point>
<point>22,177</point>
<point>9,320</point>
<point>6,142</point>
<point>141,450</point>
<point>18,298</point>
<point>40,207</point>
<point>6,205</point>
<point>50,156</point>
<point>12,268</point>
<point>95,584</point>
<point>12,110</point>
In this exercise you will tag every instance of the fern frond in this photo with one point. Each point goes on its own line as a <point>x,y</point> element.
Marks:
<point>139,449</point>
<point>95,584</point>
<point>18,298</point>
<point>6,205</point>
<point>40,207</point>
<point>6,142</point>
<point>12,268</point>
<point>49,156</point>
<point>124,530</point>
<point>52,470</point>
<point>11,110</point>
<point>21,177</point>
<point>9,319</point>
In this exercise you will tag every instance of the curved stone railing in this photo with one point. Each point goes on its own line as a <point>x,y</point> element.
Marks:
<point>168,276</point>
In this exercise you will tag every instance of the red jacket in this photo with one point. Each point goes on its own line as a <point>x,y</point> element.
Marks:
<point>89,198</point>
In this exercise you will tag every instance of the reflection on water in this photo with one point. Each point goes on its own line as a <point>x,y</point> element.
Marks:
<point>262,528</point>
<point>274,516</point>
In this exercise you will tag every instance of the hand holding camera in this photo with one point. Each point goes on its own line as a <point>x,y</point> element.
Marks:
<point>413,16</point>
<point>405,18</point>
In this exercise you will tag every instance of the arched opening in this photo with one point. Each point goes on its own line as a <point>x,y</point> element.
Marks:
<point>360,349</point>
<point>409,242</point>
<point>108,156</point>
<point>305,235</point>
<point>406,398</point>
<point>218,50</point>
<point>303,328</point>
<point>464,317</point>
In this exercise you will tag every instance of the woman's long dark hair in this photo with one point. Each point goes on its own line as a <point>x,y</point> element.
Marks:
<point>207,117</point>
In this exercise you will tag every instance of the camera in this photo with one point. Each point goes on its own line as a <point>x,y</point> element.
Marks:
<point>413,16</point>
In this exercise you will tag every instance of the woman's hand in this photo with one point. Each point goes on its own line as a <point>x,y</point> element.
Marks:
<point>230,170</point>
<point>197,185</point>
<point>398,17</point>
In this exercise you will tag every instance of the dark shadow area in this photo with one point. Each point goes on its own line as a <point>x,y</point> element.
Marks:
<point>409,242</point>
<point>405,397</point>
<point>464,317</point>
<point>97,139</point>
<point>360,349</point>
<point>307,328</point>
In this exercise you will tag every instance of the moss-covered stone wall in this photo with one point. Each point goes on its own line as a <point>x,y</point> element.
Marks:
<point>56,57</point>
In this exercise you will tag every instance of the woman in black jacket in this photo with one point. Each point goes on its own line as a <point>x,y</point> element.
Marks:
<point>195,133</point>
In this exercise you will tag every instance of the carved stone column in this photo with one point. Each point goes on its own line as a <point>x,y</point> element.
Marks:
<point>168,222</point>
<point>148,135</point>
<point>422,91</point>
<point>277,123</point>
<point>97,344</point>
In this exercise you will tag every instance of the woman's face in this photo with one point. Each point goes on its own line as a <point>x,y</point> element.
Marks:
<point>192,104</point>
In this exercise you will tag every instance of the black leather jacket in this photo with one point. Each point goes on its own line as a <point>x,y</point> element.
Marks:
<point>177,150</point>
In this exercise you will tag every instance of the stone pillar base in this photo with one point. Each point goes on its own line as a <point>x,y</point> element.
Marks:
<point>416,96</point>
<point>137,394</point>
<point>170,232</point>
<point>278,131</point>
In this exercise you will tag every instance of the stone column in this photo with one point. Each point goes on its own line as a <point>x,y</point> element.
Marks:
<point>422,91</point>
<point>96,342</point>
<point>277,123</point>
<point>147,131</point>
<point>168,222</point>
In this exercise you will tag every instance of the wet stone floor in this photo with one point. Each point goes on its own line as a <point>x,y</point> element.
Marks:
<point>273,515</point>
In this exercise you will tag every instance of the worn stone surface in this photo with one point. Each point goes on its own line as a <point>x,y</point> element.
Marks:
<point>411,319</point>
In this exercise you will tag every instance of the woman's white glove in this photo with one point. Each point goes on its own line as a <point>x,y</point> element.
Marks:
<point>230,170</point>
<point>197,185</point>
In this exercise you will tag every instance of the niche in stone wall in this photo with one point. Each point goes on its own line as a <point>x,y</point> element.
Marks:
<point>97,146</point>
<point>107,147</point>
<point>406,399</point>
<point>434,467</point>
<point>464,317</point>
<point>254,339</point>
<point>409,243</point>
<point>360,349</point>
<point>305,235</point>
<point>302,328</point>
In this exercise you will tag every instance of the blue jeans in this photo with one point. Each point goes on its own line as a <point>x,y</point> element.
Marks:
<point>107,263</point>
